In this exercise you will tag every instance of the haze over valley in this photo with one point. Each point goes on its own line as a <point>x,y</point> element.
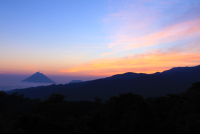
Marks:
<point>9,82</point>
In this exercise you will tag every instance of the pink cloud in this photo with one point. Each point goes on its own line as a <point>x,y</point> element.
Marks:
<point>132,28</point>
<point>173,33</point>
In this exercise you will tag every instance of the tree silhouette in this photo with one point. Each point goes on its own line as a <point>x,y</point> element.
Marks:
<point>56,98</point>
<point>98,100</point>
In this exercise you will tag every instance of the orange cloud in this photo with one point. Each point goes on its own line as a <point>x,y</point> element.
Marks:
<point>130,28</point>
<point>173,33</point>
<point>141,63</point>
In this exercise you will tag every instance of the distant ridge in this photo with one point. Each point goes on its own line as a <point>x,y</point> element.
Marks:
<point>128,75</point>
<point>75,81</point>
<point>38,78</point>
<point>173,81</point>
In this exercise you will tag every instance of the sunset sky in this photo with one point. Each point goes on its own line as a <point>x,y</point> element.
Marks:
<point>98,37</point>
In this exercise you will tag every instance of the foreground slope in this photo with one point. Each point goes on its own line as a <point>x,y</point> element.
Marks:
<point>125,113</point>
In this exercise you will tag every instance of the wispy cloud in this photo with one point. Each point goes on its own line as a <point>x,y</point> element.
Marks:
<point>150,22</point>
<point>172,27</point>
<point>178,32</point>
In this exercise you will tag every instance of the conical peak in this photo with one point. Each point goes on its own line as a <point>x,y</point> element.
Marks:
<point>38,78</point>
<point>38,73</point>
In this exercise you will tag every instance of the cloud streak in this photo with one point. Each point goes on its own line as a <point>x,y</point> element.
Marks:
<point>141,63</point>
<point>166,33</point>
<point>170,34</point>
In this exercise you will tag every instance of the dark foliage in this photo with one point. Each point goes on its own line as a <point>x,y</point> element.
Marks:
<point>126,113</point>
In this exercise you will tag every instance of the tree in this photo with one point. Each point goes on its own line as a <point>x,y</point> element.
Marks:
<point>98,100</point>
<point>56,98</point>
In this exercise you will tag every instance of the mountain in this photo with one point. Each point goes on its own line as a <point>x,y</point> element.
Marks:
<point>173,81</point>
<point>128,75</point>
<point>75,81</point>
<point>148,86</point>
<point>38,78</point>
<point>180,71</point>
<point>41,91</point>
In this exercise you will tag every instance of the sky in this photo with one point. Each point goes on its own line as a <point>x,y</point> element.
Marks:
<point>98,37</point>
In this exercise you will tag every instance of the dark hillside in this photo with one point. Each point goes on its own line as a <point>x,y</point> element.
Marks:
<point>128,75</point>
<point>37,92</point>
<point>180,71</point>
<point>174,81</point>
<point>147,86</point>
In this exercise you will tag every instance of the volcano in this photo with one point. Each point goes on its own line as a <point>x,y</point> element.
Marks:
<point>38,78</point>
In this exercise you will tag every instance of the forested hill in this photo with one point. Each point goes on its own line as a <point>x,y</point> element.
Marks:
<point>175,81</point>
<point>125,113</point>
<point>147,86</point>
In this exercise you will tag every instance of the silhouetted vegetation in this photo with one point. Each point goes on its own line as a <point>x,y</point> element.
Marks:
<point>124,113</point>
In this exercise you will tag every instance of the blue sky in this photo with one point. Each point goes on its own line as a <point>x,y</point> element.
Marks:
<point>98,37</point>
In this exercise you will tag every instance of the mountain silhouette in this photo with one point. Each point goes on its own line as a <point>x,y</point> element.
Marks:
<point>128,75</point>
<point>181,71</point>
<point>173,81</point>
<point>75,81</point>
<point>38,78</point>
